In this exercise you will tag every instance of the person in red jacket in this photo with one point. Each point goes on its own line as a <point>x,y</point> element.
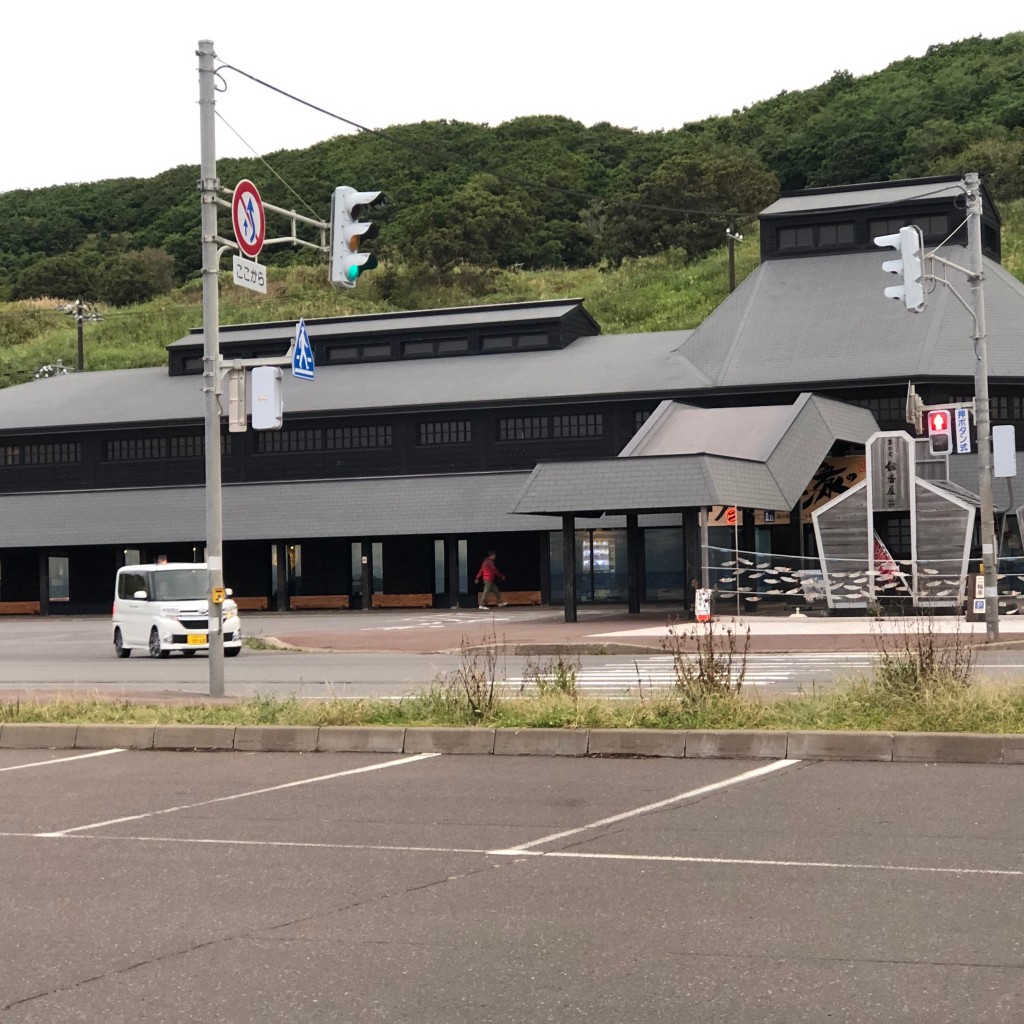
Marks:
<point>490,574</point>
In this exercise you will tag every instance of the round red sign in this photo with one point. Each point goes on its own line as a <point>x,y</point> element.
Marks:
<point>247,218</point>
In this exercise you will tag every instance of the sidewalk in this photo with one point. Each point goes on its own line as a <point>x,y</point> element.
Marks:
<point>599,630</point>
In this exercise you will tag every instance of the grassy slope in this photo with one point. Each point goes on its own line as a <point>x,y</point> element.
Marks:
<point>657,293</point>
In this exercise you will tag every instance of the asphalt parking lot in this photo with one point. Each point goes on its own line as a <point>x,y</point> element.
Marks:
<point>162,886</point>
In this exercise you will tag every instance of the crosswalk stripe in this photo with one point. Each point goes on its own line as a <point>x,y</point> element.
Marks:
<point>659,670</point>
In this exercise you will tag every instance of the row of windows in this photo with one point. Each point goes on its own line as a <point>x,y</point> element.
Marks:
<point>891,411</point>
<point>428,348</point>
<point>541,428</point>
<point>935,227</point>
<point>887,410</point>
<point>1000,407</point>
<point>815,236</point>
<point>131,449</point>
<point>65,453</point>
<point>380,435</point>
<point>429,433</point>
<point>314,440</point>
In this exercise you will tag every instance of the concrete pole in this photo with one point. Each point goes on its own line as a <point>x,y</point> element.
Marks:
<point>981,404</point>
<point>80,350</point>
<point>211,358</point>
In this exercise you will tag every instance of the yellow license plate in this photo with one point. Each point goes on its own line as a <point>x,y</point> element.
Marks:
<point>196,639</point>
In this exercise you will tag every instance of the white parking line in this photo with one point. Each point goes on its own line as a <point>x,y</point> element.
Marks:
<point>700,791</point>
<point>237,796</point>
<point>62,760</point>
<point>760,862</point>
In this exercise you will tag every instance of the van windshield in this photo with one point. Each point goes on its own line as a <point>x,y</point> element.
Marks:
<point>181,584</point>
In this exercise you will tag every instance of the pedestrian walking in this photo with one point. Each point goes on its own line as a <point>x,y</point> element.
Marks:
<point>490,574</point>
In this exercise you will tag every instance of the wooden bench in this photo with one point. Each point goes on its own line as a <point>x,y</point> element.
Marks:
<point>332,601</point>
<point>520,597</point>
<point>402,601</point>
<point>19,607</point>
<point>251,604</point>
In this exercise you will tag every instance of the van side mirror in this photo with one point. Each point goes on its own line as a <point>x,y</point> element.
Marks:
<point>140,595</point>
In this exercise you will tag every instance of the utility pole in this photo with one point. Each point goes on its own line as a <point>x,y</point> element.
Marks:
<point>80,350</point>
<point>976,277</point>
<point>733,239</point>
<point>208,186</point>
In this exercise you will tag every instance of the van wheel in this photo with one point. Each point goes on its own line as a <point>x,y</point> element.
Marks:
<point>155,650</point>
<point>119,648</point>
<point>232,652</point>
<point>188,654</point>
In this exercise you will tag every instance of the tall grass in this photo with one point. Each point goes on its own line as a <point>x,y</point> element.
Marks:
<point>859,705</point>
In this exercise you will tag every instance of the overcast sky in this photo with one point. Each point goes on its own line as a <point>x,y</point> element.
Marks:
<point>109,88</point>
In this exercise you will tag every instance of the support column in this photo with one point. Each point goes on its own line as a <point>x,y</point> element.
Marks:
<point>693,556</point>
<point>451,558</point>
<point>544,553</point>
<point>366,562</point>
<point>634,561</point>
<point>569,565</point>
<point>44,582</point>
<point>281,577</point>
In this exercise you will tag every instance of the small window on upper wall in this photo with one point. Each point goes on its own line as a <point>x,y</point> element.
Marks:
<point>933,226</point>
<point>818,236</point>
<point>498,343</point>
<point>418,348</point>
<point>835,235</point>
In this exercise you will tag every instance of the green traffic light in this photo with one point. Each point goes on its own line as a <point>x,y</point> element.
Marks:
<point>353,272</point>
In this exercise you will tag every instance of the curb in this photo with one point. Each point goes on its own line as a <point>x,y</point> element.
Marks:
<point>753,744</point>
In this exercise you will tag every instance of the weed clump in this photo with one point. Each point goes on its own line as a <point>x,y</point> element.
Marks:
<point>914,659</point>
<point>708,662</point>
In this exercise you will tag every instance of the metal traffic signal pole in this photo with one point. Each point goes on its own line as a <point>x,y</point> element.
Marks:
<point>982,412</point>
<point>211,361</point>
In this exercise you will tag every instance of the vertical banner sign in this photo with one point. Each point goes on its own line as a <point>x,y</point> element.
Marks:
<point>889,463</point>
<point>962,431</point>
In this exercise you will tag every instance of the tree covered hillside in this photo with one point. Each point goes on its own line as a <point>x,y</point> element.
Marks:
<point>545,192</point>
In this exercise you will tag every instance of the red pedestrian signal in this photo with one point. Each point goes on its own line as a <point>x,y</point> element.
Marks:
<point>940,432</point>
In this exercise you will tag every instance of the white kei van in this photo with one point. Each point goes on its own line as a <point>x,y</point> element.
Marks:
<point>165,607</point>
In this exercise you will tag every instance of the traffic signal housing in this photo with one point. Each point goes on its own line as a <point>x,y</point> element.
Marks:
<point>908,242</point>
<point>348,232</point>
<point>940,431</point>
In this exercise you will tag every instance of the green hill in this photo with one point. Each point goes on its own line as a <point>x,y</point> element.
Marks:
<point>538,207</point>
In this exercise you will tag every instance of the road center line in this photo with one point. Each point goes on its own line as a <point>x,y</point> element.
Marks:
<point>239,796</point>
<point>62,760</point>
<point>754,773</point>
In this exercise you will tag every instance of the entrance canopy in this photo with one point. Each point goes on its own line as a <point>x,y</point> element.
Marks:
<point>688,457</point>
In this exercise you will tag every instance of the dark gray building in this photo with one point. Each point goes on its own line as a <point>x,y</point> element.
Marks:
<point>428,437</point>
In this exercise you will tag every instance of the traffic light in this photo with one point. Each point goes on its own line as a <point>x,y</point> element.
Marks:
<point>348,232</point>
<point>909,243</point>
<point>940,432</point>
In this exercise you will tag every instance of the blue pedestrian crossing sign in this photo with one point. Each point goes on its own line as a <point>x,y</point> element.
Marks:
<point>302,358</point>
